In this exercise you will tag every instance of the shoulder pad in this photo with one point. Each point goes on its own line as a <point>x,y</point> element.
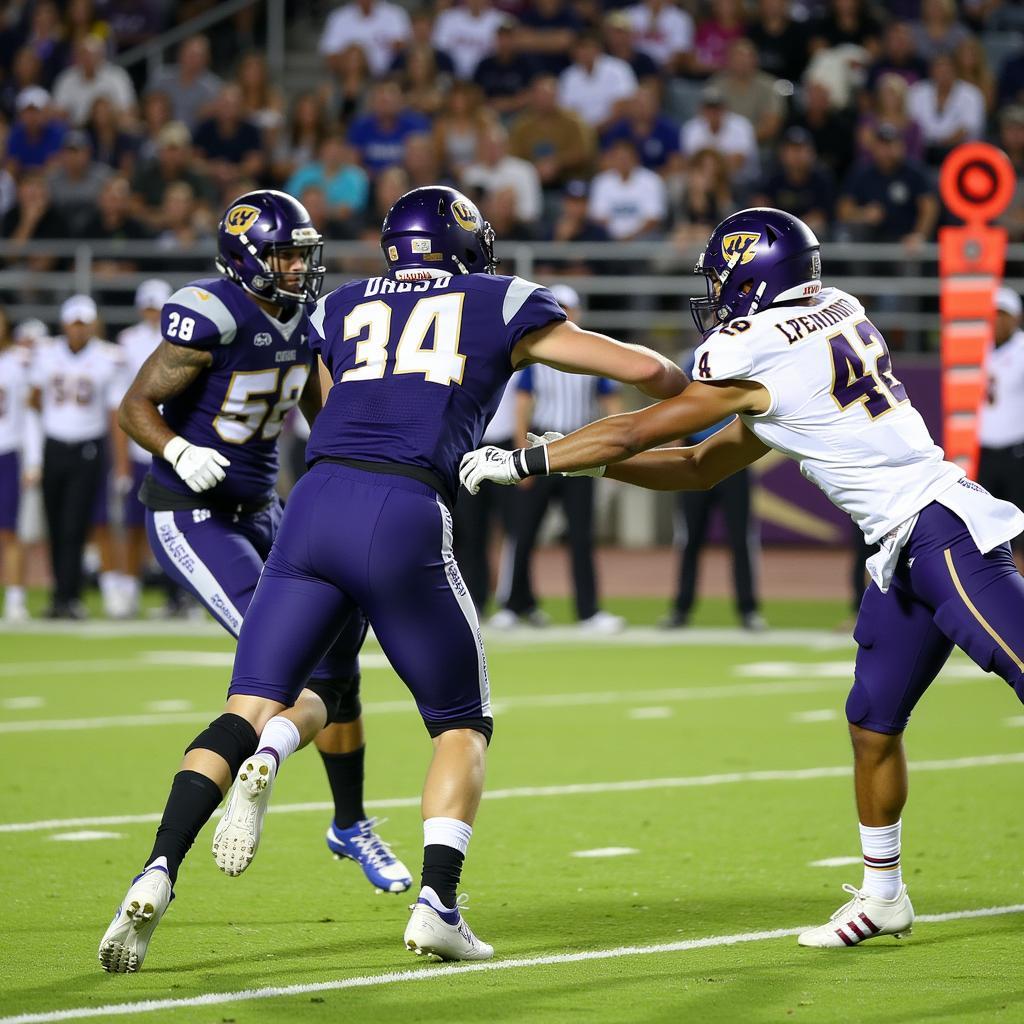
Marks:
<point>195,316</point>
<point>724,355</point>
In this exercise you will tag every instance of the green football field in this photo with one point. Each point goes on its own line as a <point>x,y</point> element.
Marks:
<point>664,812</point>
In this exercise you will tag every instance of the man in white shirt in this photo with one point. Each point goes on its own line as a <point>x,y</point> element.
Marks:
<point>466,34</point>
<point>732,135</point>
<point>1001,418</point>
<point>76,387</point>
<point>662,31</point>
<point>595,84</point>
<point>190,84</point>
<point>498,171</point>
<point>947,109</point>
<point>628,200</point>
<point>379,28</point>
<point>91,77</point>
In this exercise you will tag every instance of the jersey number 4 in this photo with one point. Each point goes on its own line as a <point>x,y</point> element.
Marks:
<point>862,371</point>
<point>440,316</point>
<point>247,405</point>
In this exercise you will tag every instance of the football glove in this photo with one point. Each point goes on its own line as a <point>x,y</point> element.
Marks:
<point>200,468</point>
<point>490,463</point>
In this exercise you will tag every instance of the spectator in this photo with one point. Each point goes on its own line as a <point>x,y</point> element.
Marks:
<point>1011,80</point>
<point>92,76</point>
<point>799,185</point>
<point>228,146</point>
<point>847,23</point>
<point>306,131</point>
<point>466,33</point>
<point>619,42</point>
<point>938,31</point>
<point>715,35</point>
<point>337,172</point>
<point>781,43</point>
<point>36,136</point>
<point>889,106</point>
<point>972,67</point>
<point>548,29</point>
<point>898,57</point>
<point>33,218</point>
<point>595,84</point>
<point>664,33</point>
<point>497,170</point>
<point>314,199</point>
<point>715,127</point>
<point>506,74</point>
<point>76,180</point>
<point>45,38</point>
<point>557,142</point>
<point>947,110</point>
<point>422,38</point>
<point>379,27</point>
<point>110,145</point>
<point>26,70</point>
<point>422,162</point>
<point>190,85</point>
<point>425,88</point>
<point>459,127</point>
<point>831,130</point>
<point>750,92</point>
<point>655,136</point>
<point>379,135</point>
<point>1011,139</point>
<point>706,200</point>
<point>262,101</point>
<point>627,200</point>
<point>573,224</point>
<point>81,21</point>
<point>181,219</point>
<point>889,199</point>
<point>111,219</point>
<point>157,111</point>
<point>500,211</point>
<point>346,90</point>
<point>170,166</point>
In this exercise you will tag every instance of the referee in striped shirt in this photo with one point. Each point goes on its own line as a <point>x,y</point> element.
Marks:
<point>552,400</point>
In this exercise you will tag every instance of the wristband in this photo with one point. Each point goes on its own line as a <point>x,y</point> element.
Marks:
<point>174,449</point>
<point>531,461</point>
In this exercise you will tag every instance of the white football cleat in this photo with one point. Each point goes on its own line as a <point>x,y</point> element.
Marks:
<point>124,944</point>
<point>602,623</point>
<point>442,934</point>
<point>864,917</point>
<point>237,836</point>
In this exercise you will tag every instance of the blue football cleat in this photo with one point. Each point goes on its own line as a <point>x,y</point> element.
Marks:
<point>361,844</point>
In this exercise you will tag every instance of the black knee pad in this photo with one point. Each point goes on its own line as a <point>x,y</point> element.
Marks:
<point>482,725</point>
<point>340,697</point>
<point>231,736</point>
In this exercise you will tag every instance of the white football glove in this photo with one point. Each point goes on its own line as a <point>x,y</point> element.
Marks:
<point>554,435</point>
<point>200,468</point>
<point>488,463</point>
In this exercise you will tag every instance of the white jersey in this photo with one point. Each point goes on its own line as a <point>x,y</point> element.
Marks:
<point>137,345</point>
<point>836,407</point>
<point>79,389</point>
<point>14,390</point>
<point>1001,424</point>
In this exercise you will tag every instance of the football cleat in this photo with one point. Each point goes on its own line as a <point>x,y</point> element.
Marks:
<point>864,917</point>
<point>603,623</point>
<point>442,934</point>
<point>361,844</point>
<point>237,836</point>
<point>124,944</point>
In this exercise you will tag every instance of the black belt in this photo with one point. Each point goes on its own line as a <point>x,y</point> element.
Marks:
<point>419,473</point>
<point>162,499</point>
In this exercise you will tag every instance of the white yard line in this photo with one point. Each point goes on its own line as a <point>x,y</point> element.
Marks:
<point>574,789</point>
<point>425,974</point>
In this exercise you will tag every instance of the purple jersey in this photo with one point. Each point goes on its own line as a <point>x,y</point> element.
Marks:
<point>260,367</point>
<point>419,367</point>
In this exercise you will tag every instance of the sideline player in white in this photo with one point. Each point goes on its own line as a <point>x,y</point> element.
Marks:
<point>806,373</point>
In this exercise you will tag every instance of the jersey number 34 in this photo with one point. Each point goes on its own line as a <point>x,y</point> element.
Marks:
<point>862,371</point>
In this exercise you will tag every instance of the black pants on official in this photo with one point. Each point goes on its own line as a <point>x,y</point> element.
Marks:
<point>72,476</point>
<point>733,494</point>
<point>474,517</point>
<point>576,493</point>
<point>1001,473</point>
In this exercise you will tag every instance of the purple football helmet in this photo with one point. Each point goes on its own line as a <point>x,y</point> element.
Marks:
<point>259,225</point>
<point>753,259</point>
<point>436,228</point>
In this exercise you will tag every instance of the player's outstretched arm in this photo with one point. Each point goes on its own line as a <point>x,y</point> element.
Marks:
<point>697,468</point>
<point>565,346</point>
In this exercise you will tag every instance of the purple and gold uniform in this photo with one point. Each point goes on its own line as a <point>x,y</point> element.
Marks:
<point>418,370</point>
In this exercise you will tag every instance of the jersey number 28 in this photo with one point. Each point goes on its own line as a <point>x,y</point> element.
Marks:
<point>862,371</point>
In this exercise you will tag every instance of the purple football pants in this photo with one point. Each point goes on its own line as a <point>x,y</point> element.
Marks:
<point>945,592</point>
<point>219,558</point>
<point>383,543</point>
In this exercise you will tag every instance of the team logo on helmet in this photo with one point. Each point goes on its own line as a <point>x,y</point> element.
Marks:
<point>743,243</point>
<point>239,219</point>
<point>465,215</point>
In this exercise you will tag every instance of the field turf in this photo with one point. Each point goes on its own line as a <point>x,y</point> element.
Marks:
<point>719,760</point>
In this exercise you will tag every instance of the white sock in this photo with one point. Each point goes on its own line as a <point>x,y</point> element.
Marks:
<point>156,862</point>
<point>280,737</point>
<point>447,832</point>
<point>131,589</point>
<point>110,589</point>
<point>881,847</point>
<point>14,597</point>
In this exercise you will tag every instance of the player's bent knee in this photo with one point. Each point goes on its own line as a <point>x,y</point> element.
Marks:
<point>482,725</point>
<point>230,736</point>
<point>340,697</point>
<point>862,713</point>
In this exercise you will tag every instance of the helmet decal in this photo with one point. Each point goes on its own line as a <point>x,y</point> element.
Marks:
<point>239,219</point>
<point>743,243</point>
<point>465,215</point>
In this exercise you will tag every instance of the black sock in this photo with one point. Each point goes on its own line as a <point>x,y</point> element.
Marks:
<point>191,803</point>
<point>345,774</point>
<point>442,869</point>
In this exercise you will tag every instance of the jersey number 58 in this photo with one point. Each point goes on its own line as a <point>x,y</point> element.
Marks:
<point>247,405</point>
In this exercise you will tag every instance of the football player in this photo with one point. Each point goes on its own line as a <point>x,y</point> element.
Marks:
<point>804,371</point>
<point>208,404</point>
<point>417,359</point>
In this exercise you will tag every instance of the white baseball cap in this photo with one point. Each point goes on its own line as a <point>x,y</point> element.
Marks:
<point>152,294</point>
<point>30,331</point>
<point>565,296</point>
<point>78,309</point>
<point>32,96</point>
<point>1008,301</point>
